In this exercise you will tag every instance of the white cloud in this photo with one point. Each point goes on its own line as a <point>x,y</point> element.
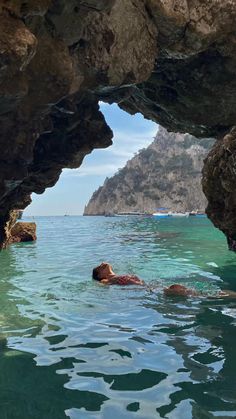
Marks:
<point>119,152</point>
<point>93,170</point>
<point>125,145</point>
<point>146,136</point>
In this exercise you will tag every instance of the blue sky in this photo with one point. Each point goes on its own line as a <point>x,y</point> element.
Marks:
<point>75,187</point>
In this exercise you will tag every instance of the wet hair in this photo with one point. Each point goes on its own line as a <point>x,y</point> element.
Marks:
<point>96,273</point>
<point>177,287</point>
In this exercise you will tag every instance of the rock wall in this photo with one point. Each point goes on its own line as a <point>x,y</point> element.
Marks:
<point>23,232</point>
<point>219,180</point>
<point>172,60</point>
<point>165,174</point>
<point>53,56</point>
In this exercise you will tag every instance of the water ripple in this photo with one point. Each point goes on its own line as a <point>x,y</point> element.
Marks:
<point>84,351</point>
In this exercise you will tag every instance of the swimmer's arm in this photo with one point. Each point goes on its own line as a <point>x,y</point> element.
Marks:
<point>105,282</point>
<point>138,281</point>
<point>142,282</point>
<point>228,293</point>
<point>224,294</point>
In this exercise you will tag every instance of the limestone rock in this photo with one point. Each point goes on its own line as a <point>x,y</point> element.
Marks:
<point>165,174</point>
<point>23,232</point>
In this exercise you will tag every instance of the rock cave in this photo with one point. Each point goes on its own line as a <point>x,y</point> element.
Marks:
<point>172,60</point>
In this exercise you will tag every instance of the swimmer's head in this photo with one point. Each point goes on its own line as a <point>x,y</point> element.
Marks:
<point>102,271</point>
<point>176,289</point>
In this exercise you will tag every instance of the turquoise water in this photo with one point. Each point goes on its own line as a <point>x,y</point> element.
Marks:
<point>72,348</point>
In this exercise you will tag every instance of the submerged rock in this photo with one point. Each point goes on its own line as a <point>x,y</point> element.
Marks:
<point>23,232</point>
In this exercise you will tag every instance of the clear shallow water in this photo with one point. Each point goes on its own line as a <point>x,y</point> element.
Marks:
<point>71,348</point>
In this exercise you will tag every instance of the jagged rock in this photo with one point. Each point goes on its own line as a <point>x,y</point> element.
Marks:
<point>219,180</point>
<point>172,60</point>
<point>23,232</point>
<point>8,223</point>
<point>165,174</point>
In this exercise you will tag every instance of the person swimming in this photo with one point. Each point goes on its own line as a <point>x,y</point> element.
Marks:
<point>180,290</point>
<point>104,274</point>
<point>177,290</point>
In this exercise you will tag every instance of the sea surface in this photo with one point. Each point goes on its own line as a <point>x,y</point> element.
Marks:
<point>71,348</point>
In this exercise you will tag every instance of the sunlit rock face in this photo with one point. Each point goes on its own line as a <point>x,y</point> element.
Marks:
<point>172,60</point>
<point>165,174</point>
<point>23,232</point>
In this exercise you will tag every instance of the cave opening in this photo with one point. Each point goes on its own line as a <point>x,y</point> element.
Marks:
<point>76,186</point>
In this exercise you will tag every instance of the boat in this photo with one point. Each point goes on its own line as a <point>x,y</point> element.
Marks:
<point>179,214</point>
<point>161,214</point>
<point>125,213</point>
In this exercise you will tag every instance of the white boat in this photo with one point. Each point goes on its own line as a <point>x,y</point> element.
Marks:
<point>179,214</point>
<point>125,213</point>
<point>161,214</point>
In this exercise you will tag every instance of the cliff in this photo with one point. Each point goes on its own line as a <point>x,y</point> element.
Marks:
<point>172,60</point>
<point>166,174</point>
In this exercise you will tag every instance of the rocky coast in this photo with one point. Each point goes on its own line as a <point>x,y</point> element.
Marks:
<point>165,174</point>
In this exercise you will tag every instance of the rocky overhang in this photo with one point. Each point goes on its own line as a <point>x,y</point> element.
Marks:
<point>172,60</point>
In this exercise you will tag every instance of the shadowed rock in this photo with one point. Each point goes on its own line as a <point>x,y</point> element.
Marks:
<point>174,61</point>
<point>219,180</point>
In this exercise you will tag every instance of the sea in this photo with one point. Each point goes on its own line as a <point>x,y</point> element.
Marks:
<point>72,348</point>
